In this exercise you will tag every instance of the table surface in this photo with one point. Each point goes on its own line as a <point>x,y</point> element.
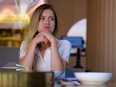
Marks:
<point>38,79</point>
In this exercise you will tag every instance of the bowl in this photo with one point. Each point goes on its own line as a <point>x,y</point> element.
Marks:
<point>93,78</point>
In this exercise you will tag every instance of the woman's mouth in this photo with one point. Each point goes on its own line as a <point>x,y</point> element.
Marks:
<point>47,27</point>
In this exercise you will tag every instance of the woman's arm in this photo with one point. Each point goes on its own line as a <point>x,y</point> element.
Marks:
<point>28,59</point>
<point>65,50</point>
<point>56,63</point>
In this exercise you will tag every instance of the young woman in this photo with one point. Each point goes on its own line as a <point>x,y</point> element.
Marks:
<point>42,51</point>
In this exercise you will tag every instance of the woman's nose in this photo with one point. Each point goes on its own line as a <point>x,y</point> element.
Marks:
<point>47,21</point>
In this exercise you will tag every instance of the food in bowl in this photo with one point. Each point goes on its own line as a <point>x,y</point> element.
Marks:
<point>93,78</point>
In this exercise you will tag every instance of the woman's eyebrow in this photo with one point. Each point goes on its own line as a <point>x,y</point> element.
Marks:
<point>51,16</point>
<point>48,16</point>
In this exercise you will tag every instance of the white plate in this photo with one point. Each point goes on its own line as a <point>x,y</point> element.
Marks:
<point>93,85</point>
<point>93,78</point>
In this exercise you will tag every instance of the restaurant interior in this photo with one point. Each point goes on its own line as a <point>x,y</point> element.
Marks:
<point>91,23</point>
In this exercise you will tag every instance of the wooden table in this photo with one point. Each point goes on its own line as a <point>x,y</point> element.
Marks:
<point>36,79</point>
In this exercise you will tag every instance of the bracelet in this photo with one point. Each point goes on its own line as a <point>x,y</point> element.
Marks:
<point>20,67</point>
<point>27,69</point>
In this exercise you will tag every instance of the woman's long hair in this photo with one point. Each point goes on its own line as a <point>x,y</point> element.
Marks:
<point>35,20</point>
<point>33,26</point>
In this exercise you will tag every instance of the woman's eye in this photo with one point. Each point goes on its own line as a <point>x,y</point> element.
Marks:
<point>49,19</point>
<point>52,19</point>
<point>42,18</point>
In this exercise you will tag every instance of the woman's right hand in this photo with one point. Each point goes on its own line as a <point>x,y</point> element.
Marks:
<point>40,39</point>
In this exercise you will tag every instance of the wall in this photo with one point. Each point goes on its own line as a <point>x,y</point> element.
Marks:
<point>69,12</point>
<point>101,37</point>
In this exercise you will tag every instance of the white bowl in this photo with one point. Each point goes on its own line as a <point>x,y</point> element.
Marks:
<point>93,78</point>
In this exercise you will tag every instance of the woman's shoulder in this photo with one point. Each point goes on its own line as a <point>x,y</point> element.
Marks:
<point>64,42</point>
<point>23,42</point>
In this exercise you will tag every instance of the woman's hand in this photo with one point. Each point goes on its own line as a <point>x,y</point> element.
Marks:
<point>40,38</point>
<point>48,35</point>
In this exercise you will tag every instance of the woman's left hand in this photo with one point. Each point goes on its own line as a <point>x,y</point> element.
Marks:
<point>48,35</point>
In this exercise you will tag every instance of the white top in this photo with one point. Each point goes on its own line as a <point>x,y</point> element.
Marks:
<point>44,64</point>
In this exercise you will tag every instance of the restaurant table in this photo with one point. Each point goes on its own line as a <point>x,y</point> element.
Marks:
<point>13,78</point>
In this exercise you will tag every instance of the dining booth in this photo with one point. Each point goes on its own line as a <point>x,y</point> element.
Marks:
<point>9,56</point>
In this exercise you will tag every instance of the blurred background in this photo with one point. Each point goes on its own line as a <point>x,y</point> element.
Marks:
<point>15,17</point>
<point>92,20</point>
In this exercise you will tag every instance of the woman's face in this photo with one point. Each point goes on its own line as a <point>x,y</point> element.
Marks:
<point>47,21</point>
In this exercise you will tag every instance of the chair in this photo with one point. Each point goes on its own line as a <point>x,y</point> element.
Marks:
<point>77,42</point>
